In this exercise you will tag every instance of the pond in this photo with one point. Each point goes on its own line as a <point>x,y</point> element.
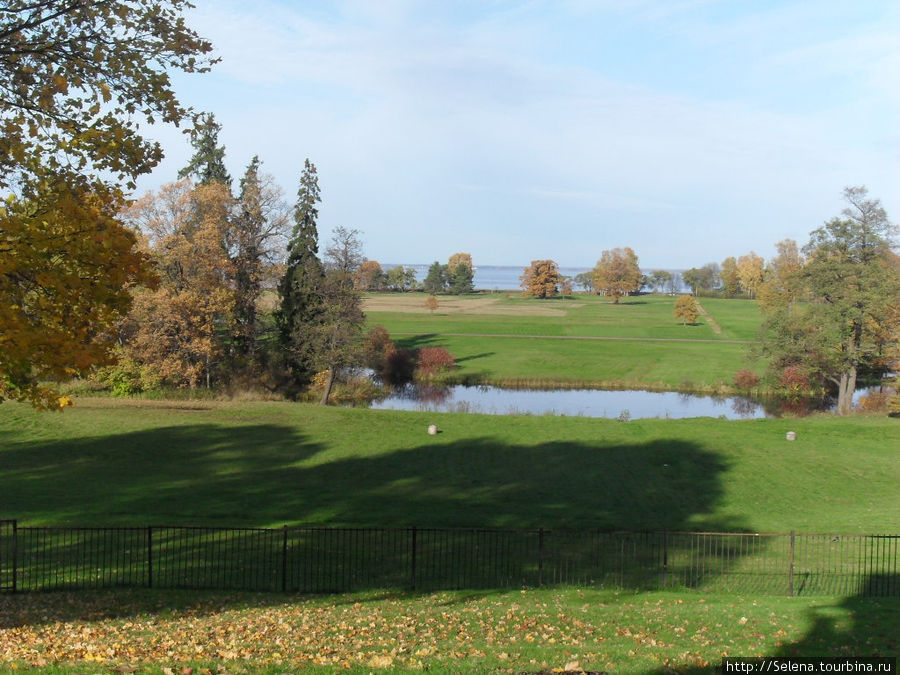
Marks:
<point>622,405</point>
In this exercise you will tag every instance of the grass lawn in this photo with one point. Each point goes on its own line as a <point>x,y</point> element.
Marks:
<point>510,631</point>
<point>273,463</point>
<point>638,343</point>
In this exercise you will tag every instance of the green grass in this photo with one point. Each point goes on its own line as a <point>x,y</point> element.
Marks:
<point>449,632</point>
<point>269,463</point>
<point>637,343</point>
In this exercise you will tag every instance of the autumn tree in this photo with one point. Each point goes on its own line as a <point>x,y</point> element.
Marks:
<point>255,239</point>
<point>65,265</point>
<point>729,277</point>
<point>77,81</point>
<point>751,273</point>
<point>175,329</point>
<point>687,309</point>
<point>300,288</point>
<point>586,281</point>
<point>783,284</point>
<point>617,273</point>
<point>369,276</point>
<point>541,279</point>
<point>431,303</point>
<point>207,165</point>
<point>852,280</point>
<point>458,259</point>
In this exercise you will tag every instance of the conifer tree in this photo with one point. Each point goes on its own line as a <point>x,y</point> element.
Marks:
<point>208,163</point>
<point>301,286</point>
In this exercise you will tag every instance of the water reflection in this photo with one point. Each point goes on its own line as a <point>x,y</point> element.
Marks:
<point>578,402</point>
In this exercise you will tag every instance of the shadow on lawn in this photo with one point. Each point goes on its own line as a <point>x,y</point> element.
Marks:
<point>263,475</point>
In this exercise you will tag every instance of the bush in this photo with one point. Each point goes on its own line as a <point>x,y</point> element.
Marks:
<point>745,379</point>
<point>432,361</point>
<point>794,379</point>
<point>876,401</point>
<point>127,377</point>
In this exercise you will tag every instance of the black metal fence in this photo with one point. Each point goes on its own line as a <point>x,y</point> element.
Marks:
<point>325,560</point>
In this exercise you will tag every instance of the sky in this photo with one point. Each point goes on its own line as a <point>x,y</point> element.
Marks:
<point>689,130</point>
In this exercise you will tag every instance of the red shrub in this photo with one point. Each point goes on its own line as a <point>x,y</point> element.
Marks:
<point>794,379</point>
<point>745,379</point>
<point>433,360</point>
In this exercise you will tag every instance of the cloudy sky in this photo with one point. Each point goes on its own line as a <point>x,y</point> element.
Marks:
<point>690,130</point>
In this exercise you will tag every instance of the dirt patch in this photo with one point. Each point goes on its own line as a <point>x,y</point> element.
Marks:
<point>716,328</point>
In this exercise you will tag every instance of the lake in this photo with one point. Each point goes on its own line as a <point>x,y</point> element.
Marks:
<point>501,277</point>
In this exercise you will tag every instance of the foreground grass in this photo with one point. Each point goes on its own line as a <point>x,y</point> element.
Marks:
<point>268,464</point>
<point>511,631</point>
<point>636,343</point>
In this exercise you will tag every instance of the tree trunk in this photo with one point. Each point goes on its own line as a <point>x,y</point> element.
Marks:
<point>846,389</point>
<point>328,386</point>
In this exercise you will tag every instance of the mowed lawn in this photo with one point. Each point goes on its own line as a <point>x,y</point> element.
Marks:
<point>499,338</point>
<point>274,463</point>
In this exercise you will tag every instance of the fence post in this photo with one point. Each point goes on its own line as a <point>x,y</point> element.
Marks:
<point>791,570</point>
<point>412,567</point>
<point>15,555</point>
<point>149,556</point>
<point>665,558</point>
<point>541,557</point>
<point>284,551</point>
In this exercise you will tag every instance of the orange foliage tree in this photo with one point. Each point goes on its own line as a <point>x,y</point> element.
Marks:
<point>541,279</point>
<point>179,328</point>
<point>65,265</point>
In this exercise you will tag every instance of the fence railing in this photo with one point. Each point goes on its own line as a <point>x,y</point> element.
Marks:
<point>325,559</point>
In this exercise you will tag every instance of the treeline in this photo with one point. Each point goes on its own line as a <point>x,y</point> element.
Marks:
<point>240,296</point>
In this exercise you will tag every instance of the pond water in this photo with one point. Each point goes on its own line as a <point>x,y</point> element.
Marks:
<point>622,405</point>
<point>573,402</point>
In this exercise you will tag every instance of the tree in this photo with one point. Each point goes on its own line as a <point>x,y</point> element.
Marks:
<point>659,279</point>
<point>208,162</point>
<point>401,279</point>
<point>617,273</point>
<point>541,279</point>
<point>369,276</point>
<point>77,81</point>
<point>701,279</point>
<point>78,78</point>
<point>458,259</point>
<point>586,281</point>
<point>751,273</point>
<point>344,255</point>
<point>687,309</point>
<point>460,274</point>
<point>462,279</point>
<point>334,341</point>
<point>431,303</point>
<point>436,279</point>
<point>66,262</point>
<point>782,285</point>
<point>731,282</point>
<point>852,280</point>
<point>176,329</point>
<point>258,232</point>
<point>300,288</point>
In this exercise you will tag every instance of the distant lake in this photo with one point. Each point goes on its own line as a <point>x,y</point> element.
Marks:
<point>500,277</point>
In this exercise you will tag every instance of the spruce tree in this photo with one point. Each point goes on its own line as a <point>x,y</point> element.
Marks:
<point>302,284</point>
<point>249,225</point>
<point>208,163</point>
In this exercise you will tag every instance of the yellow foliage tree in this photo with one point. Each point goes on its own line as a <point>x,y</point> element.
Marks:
<point>65,265</point>
<point>617,273</point>
<point>686,309</point>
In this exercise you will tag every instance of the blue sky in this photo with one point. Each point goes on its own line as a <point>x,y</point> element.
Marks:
<point>690,130</point>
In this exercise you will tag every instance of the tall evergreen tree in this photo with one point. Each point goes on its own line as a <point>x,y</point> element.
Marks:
<point>301,286</point>
<point>208,163</point>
